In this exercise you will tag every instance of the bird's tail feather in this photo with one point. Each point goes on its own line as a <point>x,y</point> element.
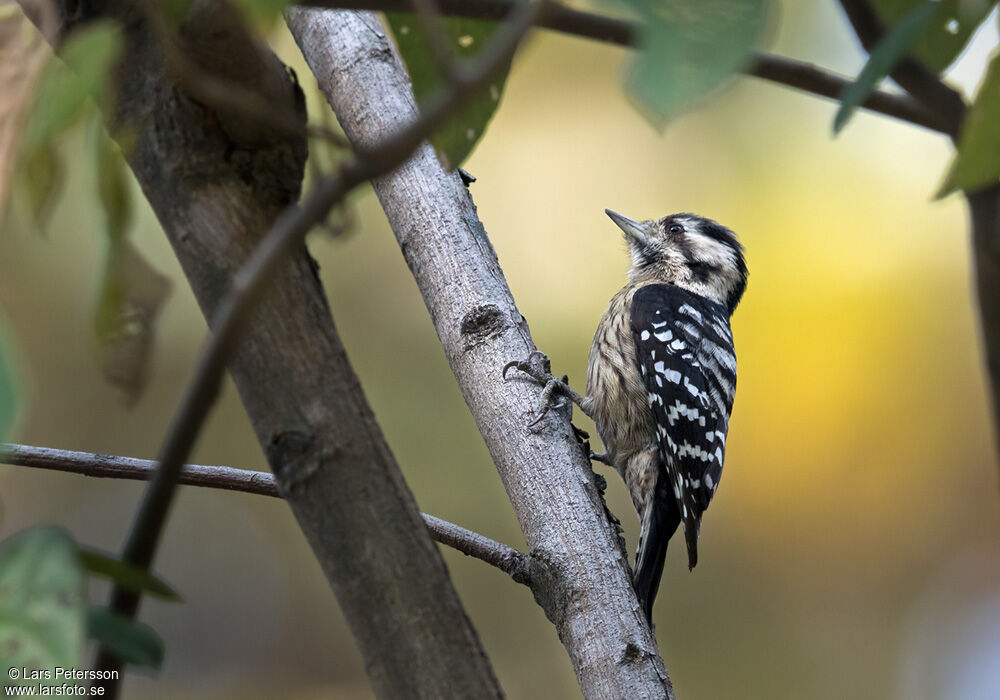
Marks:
<point>659,523</point>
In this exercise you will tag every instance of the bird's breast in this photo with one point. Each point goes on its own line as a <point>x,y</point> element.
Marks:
<point>615,390</point>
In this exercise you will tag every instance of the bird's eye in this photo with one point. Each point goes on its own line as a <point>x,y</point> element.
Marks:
<point>676,228</point>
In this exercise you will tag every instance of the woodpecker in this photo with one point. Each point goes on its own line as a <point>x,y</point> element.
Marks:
<point>661,379</point>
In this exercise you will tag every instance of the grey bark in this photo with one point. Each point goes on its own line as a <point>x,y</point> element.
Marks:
<point>217,181</point>
<point>579,572</point>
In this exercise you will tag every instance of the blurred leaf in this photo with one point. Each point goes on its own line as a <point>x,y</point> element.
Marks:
<point>174,11</point>
<point>126,575</point>
<point>132,641</point>
<point>454,141</point>
<point>940,42</point>
<point>689,48</point>
<point>131,296</point>
<point>977,163</point>
<point>8,393</point>
<point>41,179</point>
<point>265,12</point>
<point>113,187</point>
<point>22,55</point>
<point>882,60</point>
<point>63,90</point>
<point>41,602</point>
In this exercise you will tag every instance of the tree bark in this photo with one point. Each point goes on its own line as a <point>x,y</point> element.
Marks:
<point>984,210</point>
<point>217,181</point>
<point>579,572</point>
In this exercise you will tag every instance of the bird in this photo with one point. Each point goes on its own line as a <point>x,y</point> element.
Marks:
<point>661,379</point>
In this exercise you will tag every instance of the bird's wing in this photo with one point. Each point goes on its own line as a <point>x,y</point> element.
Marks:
<point>684,348</point>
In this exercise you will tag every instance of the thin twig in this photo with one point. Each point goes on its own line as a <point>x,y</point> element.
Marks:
<point>285,236</point>
<point>566,20</point>
<point>509,560</point>
<point>913,76</point>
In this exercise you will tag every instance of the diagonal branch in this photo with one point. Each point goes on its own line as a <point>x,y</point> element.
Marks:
<point>588,25</point>
<point>580,575</point>
<point>233,314</point>
<point>912,75</point>
<point>504,557</point>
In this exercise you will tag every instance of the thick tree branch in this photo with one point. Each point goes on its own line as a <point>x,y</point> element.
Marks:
<point>580,575</point>
<point>504,557</point>
<point>217,182</point>
<point>566,20</point>
<point>459,646</point>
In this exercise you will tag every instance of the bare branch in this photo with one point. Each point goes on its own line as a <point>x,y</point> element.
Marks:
<point>512,562</point>
<point>566,20</point>
<point>580,575</point>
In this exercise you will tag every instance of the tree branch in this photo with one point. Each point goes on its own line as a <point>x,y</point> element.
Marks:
<point>504,557</point>
<point>231,318</point>
<point>588,25</point>
<point>912,75</point>
<point>984,211</point>
<point>217,181</point>
<point>580,575</point>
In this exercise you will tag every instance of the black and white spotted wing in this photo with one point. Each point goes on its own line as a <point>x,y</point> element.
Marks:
<point>684,348</point>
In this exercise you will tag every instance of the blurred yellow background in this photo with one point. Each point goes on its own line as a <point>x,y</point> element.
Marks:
<point>851,551</point>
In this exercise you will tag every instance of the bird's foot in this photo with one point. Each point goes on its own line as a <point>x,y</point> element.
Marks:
<point>554,391</point>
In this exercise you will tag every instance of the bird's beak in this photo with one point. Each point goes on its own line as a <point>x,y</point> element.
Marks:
<point>634,230</point>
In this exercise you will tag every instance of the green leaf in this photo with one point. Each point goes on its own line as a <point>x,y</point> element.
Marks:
<point>113,187</point>
<point>455,141</point>
<point>41,603</point>
<point>132,641</point>
<point>126,575</point>
<point>8,390</point>
<point>42,175</point>
<point>128,306</point>
<point>63,90</point>
<point>689,48</point>
<point>977,162</point>
<point>264,12</point>
<point>940,42</point>
<point>883,59</point>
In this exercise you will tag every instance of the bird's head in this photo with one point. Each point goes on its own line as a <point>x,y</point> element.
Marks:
<point>687,250</point>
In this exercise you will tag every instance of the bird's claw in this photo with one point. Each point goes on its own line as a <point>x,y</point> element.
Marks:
<point>538,366</point>
<point>540,372</point>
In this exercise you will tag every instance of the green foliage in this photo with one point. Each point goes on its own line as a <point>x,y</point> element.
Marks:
<point>61,97</point>
<point>132,641</point>
<point>264,12</point>
<point>132,292</point>
<point>63,91</point>
<point>8,394</point>
<point>126,575</point>
<point>941,40</point>
<point>41,602</point>
<point>883,59</point>
<point>113,187</point>
<point>689,48</point>
<point>455,141</point>
<point>977,163</point>
<point>129,302</point>
<point>42,177</point>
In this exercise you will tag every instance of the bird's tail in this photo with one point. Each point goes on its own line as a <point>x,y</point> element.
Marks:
<point>659,523</point>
